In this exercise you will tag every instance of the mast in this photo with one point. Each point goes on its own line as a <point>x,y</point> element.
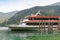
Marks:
<point>38,13</point>
<point>40,25</point>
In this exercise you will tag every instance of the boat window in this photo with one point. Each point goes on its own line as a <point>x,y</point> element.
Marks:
<point>41,23</point>
<point>30,18</point>
<point>46,19</point>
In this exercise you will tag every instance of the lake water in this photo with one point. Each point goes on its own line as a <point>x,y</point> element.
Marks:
<point>19,35</point>
<point>8,35</point>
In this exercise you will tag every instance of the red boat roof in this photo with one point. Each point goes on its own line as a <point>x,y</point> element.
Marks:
<point>33,16</point>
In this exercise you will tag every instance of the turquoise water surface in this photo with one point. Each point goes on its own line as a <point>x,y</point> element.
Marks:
<point>18,35</point>
<point>9,35</point>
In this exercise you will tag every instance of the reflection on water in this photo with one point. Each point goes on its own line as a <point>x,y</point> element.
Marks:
<point>7,35</point>
<point>18,35</point>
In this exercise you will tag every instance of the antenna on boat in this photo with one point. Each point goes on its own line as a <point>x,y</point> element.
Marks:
<point>38,13</point>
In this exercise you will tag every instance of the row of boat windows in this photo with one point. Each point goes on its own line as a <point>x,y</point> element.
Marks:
<point>43,18</point>
<point>41,23</point>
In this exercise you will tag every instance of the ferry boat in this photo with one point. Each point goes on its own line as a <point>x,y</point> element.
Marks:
<point>39,22</point>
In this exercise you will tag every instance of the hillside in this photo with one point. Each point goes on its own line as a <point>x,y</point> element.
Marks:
<point>4,16</point>
<point>45,10</point>
<point>56,4</point>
